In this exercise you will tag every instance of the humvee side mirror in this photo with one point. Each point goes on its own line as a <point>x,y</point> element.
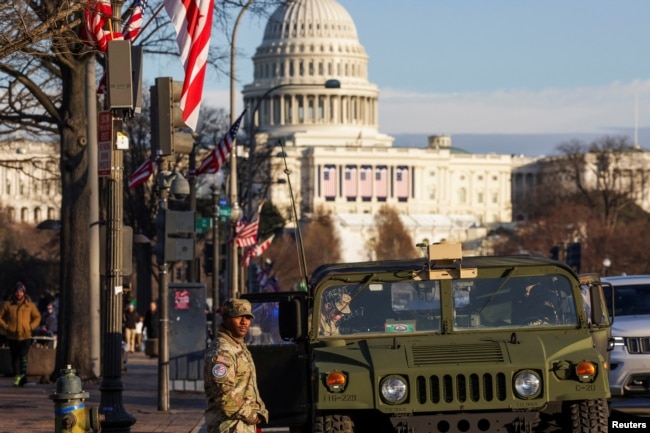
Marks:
<point>292,326</point>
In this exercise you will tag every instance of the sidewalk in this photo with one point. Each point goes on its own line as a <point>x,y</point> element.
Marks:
<point>30,408</point>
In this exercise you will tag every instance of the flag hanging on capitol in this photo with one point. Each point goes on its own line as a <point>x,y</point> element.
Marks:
<point>193,23</point>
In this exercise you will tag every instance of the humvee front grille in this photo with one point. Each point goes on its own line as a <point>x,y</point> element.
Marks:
<point>461,388</point>
<point>638,345</point>
<point>489,352</point>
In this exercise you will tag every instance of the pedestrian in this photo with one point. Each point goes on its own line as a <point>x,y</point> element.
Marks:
<point>130,320</point>
<point>49,322</point>
<point>139,328</point>
<point>234,404</point>
<point>19,316</point>
<point>151,321</point>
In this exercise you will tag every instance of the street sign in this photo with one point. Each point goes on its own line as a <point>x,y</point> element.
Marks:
<point>224,212</point>
<point>104,143</point>
<point>202,225</point>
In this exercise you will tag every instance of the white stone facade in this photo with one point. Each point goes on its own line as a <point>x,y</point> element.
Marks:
<point>335,153</point>
<point>30,181</point>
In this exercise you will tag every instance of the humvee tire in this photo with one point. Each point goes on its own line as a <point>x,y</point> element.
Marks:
<point>588,416</point>
<point>333,424</point>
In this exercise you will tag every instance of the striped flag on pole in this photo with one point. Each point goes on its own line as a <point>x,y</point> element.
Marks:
<point>142,173</point>
<point>256,251</point>
<point>217,156</point>
<point>246,233</point>
<point>192,20</point>
<point>96,14</point>
<point>134,24</point>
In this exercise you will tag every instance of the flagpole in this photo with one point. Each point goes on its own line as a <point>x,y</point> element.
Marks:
<point>234,200</point>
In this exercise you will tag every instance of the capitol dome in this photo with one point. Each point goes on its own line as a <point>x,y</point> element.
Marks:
<point>305,44</point>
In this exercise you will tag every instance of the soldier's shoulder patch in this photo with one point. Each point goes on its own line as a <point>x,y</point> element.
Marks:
<point>219,370</point>
<point>219,359</point>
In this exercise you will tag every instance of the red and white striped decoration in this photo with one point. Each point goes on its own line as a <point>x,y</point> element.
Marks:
<point>192,20</point>
<point>97,14</point>
<point>142,173</point>
<point>217,156</point>
<point>133,26</point>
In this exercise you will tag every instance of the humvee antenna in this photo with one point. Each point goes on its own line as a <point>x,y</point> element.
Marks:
<point>301,247</point>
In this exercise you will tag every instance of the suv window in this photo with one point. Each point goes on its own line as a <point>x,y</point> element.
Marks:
<point>630,300</point>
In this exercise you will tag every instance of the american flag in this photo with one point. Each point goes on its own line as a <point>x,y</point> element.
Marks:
<point>350,181</point>
<point>96,14</point>
<point>134,24</point>
<point>142,173</point>
<point>246,236</point>
<point>329,181</point>
<point>256,251</point>
<point>402,182</point>
<point>193,23</point>
<point>246,233</point>
<point>365,181</point>
<point>381,181</point>
<point>217,156</point>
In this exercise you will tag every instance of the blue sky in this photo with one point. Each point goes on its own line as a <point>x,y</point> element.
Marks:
<point>494,66</point>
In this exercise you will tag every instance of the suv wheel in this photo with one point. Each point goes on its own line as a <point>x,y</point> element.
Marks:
<point>588,416</point>
<point>333,424</point>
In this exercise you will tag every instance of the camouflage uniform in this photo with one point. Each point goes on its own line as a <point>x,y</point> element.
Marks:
<point>233,400</point>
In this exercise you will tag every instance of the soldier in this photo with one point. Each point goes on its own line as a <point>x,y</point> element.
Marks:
<point>332,314</point>
<point>234,404</point>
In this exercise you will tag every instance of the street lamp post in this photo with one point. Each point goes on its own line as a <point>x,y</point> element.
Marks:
<point>606,265</point>
<point>215,258</point>
<point>117,419</point>
<point>234,201</point>
<point>329,84</point>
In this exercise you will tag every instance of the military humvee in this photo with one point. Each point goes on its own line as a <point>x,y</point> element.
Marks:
<point>437,344</point>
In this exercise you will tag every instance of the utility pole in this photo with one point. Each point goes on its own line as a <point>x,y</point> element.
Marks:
<point>117,419</point>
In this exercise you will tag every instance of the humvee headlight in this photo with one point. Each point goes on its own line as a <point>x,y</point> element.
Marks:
<point>586,371</point>
<point>393,389</point>
<point>527,384</point>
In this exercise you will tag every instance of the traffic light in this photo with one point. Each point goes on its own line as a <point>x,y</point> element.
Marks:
<point>167,138</point>
<point>208,258</point>
<point>574,255</point>
<point>174,240</point>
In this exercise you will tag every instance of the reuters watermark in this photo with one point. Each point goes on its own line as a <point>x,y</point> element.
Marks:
<point>628,426</point>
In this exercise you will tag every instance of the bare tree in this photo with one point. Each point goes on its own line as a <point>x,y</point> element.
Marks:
<point>321,243</point>
<point>393,240</point>
<point>593,194</point>
<point>43,64</point>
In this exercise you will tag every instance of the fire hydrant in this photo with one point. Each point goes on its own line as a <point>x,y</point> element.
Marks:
<point>70,412</point>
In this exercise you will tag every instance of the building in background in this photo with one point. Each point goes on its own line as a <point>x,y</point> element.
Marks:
<point>30,181</point>
<point>337,156</point>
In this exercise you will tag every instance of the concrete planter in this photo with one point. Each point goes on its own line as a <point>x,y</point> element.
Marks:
<point>40,361</point>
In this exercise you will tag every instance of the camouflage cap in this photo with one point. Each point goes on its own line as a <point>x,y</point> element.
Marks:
<point>236,308</point>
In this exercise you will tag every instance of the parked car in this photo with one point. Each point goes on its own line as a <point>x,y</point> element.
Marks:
<point>629,376</point>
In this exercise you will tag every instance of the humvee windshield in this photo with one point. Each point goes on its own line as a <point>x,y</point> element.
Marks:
<point>478,304</point>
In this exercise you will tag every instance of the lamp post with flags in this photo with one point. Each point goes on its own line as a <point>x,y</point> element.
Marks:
<point>234,199</point>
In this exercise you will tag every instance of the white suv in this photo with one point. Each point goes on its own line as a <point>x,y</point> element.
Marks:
<point>629,377</point>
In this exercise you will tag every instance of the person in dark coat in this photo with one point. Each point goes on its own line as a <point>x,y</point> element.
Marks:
<point>152,321</point>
